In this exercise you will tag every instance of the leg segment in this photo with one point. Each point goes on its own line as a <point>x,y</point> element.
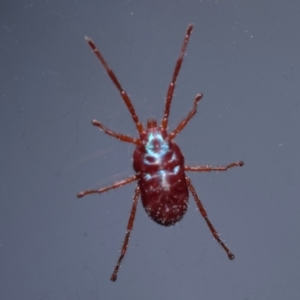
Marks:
<point>210,168</point>
<point>184,122</point>
<point>115,80</point>
<point>129,228</point>
<point>204,215</point>
<point>107,188</point>
<point>119,136</point>
<point>164,123</point>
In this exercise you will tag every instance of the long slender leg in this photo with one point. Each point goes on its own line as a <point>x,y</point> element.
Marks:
<point>210,168</point>
<point>184,122</point>
<point>119,136</point>
<point>164,123</point>
<point>129,228</point>
<point>107,188</point>
<point>114,79</point>
<point>204,215</point>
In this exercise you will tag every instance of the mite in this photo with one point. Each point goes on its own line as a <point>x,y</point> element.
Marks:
<point>158,163</point>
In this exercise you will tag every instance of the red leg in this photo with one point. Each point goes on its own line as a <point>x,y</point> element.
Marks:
<point>114,79</point>
<point>204,215</point>
<point>119,136</point>
<point>164,123</point>
<point>210,168</point>
<point>184,122</point>
<point>127,236</point>
<point>107,188</point>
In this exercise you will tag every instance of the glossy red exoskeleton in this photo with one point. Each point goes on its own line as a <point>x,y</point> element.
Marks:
<point>158,163</point>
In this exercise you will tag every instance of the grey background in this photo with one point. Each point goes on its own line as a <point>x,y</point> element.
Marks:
<point>244,57</point>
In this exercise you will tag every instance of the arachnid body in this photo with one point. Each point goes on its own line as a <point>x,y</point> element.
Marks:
<point>158,163</point>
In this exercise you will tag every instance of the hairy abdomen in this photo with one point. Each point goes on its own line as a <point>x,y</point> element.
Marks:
<point>164,195</point>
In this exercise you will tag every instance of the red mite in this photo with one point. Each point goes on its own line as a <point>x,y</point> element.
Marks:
<point>158,163</point>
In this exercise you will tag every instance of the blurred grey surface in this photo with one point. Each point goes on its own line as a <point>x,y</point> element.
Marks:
<point>244,56</point>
